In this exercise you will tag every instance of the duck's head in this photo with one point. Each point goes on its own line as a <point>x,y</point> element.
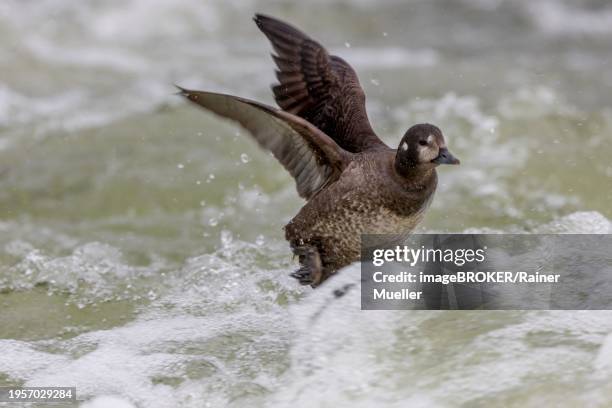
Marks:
<point>422,147</point>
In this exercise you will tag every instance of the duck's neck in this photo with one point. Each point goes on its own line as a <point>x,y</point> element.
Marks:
<point>416,178</point>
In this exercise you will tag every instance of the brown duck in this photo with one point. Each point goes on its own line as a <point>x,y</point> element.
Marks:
<point>352,181</point>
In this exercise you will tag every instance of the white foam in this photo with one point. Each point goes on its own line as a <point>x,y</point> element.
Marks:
<point>582,222</point>
<point>214,321</point>
<point>218,332</point>
<point>107,401</point>
<point>16,108</point>
<point>336,341</point>
<point>21,360</point>
<point>451,105</point>
<point>179,18</point>
<point>534,102</point>
<point>93,272</point>
<point>563,18</point>
<point>389,57</point>
<point>100,56</point>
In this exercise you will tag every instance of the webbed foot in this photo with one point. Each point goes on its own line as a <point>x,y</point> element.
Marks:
<point>311,272</point>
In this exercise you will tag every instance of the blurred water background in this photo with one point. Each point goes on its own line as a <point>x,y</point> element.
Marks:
<point>141,250</point>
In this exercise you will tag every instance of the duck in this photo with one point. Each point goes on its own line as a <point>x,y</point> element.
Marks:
<point>353,182</point>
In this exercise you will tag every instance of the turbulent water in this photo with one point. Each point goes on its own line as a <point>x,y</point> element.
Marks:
<point>141,253</point>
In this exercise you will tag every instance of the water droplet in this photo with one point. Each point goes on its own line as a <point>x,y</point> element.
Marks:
<point>210,178</point>
<point>213,222</point>
<point>203,203</point>
<point>180,166</point>
<point>347,44</point>
<point>260,240</point>
<point>198,182</point>
<point>226,238</point>
<point>151,295</point>
<point>245,158</point>
<point>375,82</point>
<point>385,34</point>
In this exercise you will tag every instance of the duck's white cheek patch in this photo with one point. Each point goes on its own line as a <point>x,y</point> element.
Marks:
<point>404,146</point>
<point>426,154</point>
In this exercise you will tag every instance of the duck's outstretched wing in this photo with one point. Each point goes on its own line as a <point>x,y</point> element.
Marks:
<point>309,155</point>
<point>321,88</point>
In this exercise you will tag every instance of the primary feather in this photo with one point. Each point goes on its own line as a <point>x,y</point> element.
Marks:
<point>309,155</point>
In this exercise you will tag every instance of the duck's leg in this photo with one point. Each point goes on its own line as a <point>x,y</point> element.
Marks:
<point>311,271</point>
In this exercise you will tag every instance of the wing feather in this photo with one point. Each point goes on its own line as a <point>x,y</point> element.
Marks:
<point>321,88</point>
<point>311,157</point>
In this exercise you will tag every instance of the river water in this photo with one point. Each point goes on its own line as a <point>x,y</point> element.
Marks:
<point>142,258</point>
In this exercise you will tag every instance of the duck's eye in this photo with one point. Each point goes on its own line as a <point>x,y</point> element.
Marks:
<point>423,142</point>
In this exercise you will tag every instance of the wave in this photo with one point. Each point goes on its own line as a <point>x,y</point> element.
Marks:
<point>231,327</point>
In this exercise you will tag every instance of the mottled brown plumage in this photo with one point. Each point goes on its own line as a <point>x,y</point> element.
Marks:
<point>353,183</point>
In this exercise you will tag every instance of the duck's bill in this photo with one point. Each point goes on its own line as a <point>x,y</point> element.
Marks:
<point>445,157</point>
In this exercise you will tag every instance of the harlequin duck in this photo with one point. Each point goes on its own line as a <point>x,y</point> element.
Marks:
<point>353,183</point>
